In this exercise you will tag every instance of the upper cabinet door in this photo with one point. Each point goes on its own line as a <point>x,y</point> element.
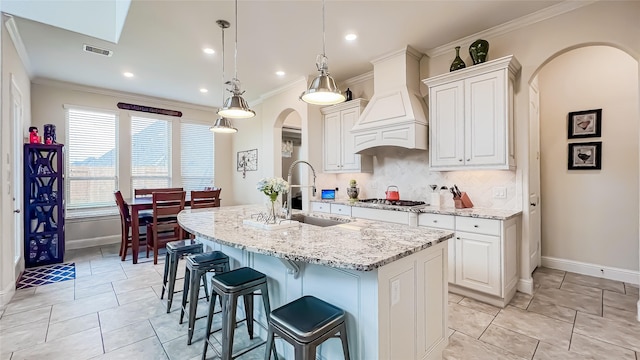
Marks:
<point>332,127</point>
<point>446,137</point>
<point>350,160</point>
<point>486,119</point>
<point>471,117</point>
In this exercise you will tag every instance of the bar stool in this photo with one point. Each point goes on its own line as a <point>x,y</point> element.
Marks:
<point>197,267</point>
<point>175,251</point>
<point>305,323</point>
<point>229,286</point>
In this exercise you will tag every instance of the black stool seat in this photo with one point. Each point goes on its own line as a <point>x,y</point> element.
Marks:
<point>209,257</point>
<point>307,318</point>
<point>185,246</point>
<point>306,323</point>
<point>238,280</point>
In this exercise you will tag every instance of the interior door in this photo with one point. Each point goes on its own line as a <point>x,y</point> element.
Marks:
<point>15,167</point>
<point>534,177</point>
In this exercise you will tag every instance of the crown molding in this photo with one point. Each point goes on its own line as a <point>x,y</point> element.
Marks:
<point>10,24</point>
<point>284,88</point>
<point>524,21</point>
<point>121,94</point>
<point>359,79</point>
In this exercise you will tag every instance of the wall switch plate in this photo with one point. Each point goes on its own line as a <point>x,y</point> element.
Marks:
<point>499,192</point>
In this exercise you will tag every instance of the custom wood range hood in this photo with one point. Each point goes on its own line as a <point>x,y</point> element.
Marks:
<point>396,114</point>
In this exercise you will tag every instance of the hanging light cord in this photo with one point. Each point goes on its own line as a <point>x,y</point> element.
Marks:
<point>236,48</point>
<point>222,26</point>
<point>324,40</point>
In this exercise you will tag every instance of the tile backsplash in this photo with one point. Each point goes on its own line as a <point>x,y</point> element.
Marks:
<point>409,170</point>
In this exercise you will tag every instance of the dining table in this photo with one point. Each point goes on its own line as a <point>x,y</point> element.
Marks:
<point>136,205</point>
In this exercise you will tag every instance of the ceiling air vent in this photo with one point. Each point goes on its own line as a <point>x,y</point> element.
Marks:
<point>97,50</point>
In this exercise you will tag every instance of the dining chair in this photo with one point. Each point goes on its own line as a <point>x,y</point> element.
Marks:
<point>149,192</point>
<point>205,198</point>
<point>165,227</point>
<point>125,225</point>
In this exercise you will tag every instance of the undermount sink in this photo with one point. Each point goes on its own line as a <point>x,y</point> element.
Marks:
<point>316,221</point>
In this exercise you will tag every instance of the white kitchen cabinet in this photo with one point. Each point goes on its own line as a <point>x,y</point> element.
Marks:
<point>322,207</point>
<point>398,217</point>
<point>471,117</point>
<point>482,256</point>
<point>341,209</point>
<point>339,152</point>
<point>445,222</point>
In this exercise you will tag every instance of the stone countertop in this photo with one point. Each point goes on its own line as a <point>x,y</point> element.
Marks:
<point>358,244</point>
<point>495,214</point>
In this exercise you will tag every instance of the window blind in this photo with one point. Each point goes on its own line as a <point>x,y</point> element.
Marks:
<point>196,156</point>
<point>91,158</point>
<point>150,153</point>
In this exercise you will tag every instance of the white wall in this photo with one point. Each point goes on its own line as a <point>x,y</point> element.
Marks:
<point>579,207</point>
<point>12,67</point>
<point>48,100</point>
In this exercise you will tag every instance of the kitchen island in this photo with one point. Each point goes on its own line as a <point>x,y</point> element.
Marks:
<point>390,279</point>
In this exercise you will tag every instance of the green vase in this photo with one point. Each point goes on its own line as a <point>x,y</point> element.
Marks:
<point>478,51</point>
<point>457,63</point>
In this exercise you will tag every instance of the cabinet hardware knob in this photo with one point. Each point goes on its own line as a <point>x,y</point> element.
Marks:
<point>435,221</point>
<point>17,211</point>
<point>475,226</point>
<point>468,159</point>
<point>533,204</point>
<point>459,159</point>
<point>458,238</point>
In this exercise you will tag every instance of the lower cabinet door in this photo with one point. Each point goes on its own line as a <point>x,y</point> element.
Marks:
<point>452,260</point>
<point>478,262</point>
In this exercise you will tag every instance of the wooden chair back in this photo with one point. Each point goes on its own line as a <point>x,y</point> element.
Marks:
<point>205,199</point>
<point>167,205</point>
<point>125,216</point>
<point>149,192</point>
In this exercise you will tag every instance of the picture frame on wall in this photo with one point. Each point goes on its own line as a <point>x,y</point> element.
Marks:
<point>585,156</point>
<point>247,161</point>
<point>585,124</point>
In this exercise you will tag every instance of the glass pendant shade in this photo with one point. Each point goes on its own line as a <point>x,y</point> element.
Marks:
<point>223,125</point>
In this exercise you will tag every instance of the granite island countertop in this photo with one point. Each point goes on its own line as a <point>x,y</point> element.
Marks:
<point>358,244</point>
<point>485,213</point>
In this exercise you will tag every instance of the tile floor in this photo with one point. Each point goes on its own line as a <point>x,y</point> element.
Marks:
<point>113,311</point>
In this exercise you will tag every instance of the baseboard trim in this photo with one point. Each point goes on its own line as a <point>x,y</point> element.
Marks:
<point>525,286</point>
<point>6,294</point>
<point>605,272</point>
<point>97,241</point>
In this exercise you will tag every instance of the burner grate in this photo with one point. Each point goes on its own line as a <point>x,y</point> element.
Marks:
<point>393,202</point>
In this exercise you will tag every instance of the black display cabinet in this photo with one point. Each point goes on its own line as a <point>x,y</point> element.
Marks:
<point>43,204</point>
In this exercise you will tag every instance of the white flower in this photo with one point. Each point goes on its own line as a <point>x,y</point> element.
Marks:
<point>271,186</point>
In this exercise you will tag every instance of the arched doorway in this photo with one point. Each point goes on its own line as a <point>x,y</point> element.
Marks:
<point>589,217</point>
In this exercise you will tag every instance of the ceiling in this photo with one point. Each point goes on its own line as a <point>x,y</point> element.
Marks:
<point>161,42</point>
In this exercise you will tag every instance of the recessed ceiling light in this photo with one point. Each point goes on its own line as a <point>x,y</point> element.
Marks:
<point>127,74</point>
<point>280,73</point>
<point>351,37</point>
<point>203,90</point>
<point>209,51</point>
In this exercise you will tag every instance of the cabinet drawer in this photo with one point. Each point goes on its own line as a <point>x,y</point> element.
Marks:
<point>437,221</point>
<point>478,226</point>
<point>320,207</point>
<point>341,209</point>
<point>399,217</point>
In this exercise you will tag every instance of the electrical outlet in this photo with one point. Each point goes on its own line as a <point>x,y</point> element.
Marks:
<point>499,192</point>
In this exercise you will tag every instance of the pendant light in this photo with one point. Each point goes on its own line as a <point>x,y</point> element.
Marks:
<point>222,124</point>
<point>236,106</point>
<point>323,89</point>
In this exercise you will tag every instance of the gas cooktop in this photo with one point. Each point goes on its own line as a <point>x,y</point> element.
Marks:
<point>393,202</point>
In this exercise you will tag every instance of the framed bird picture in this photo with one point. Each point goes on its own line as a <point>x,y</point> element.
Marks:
<point>585,156</point>
<point>585,124</point>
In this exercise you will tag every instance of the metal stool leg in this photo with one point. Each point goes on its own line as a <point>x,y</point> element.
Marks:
<point>165,275</point>
<point>343,338</point>
<point>193,302</point>
<point>173,269</point>
<point>206,288</point>
<point>248,310</point>
<point>185,291</point>
<point>229,304</point>
<point>212,305</point>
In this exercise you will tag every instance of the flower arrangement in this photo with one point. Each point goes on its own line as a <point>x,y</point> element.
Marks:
<point>272,187</point>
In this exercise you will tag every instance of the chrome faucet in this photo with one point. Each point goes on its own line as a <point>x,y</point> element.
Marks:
<point>298,186</point>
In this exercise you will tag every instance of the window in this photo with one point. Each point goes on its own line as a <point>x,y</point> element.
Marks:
<point>91,159</point>
<point>196,156</point>
<point>150,153</point>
